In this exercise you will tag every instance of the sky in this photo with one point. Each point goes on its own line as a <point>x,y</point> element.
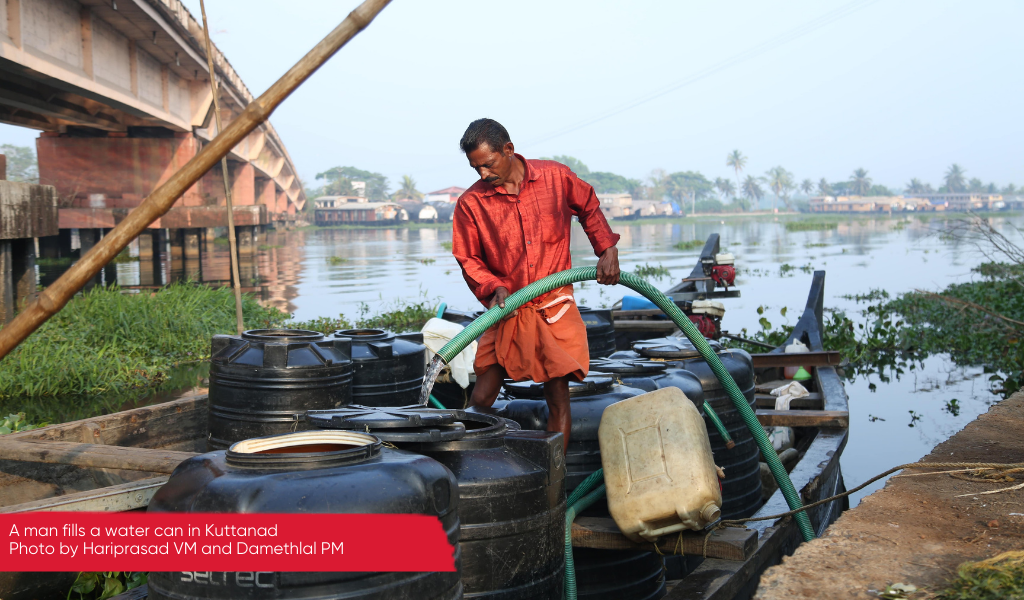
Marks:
<point>902,88</point>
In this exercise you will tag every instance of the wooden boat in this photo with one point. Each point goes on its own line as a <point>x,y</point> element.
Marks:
<point>117,462</point>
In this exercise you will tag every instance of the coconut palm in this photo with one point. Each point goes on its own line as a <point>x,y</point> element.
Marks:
<point>824,189</point>
<point>407,189</point>
<point>737,161</point>
<point>955,178</point>
<point>975,185</point>
<point>915,186</point>
<point>751,189</point>
<point>725,187</point>
<point>807,186</point>
<point>860,183</point>
<point>780,181</point>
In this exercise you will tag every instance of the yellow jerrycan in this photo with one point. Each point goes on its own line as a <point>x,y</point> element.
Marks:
<point>659,473</point>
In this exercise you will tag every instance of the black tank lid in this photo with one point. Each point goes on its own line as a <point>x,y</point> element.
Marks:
<point>413,424</point>
<point>627,367</point>
<point>592,384</point>
<point>671,347</point>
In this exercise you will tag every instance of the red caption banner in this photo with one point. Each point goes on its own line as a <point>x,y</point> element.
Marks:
<point>127,541</point>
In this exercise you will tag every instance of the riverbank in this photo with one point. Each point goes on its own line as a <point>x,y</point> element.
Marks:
<point>918,529</point>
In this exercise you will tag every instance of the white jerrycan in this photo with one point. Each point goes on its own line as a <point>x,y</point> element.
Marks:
<point>658,468</point>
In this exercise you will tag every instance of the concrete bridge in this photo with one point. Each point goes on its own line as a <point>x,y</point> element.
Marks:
<point>120,91</point>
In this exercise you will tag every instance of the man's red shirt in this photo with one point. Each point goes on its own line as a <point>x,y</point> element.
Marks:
<point>511,240</point>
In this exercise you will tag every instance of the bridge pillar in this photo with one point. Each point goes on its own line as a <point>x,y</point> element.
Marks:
<point>49,246</point>
<point>246,239</point>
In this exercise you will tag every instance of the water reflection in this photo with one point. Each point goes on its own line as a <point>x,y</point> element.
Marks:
<point>326,272</point>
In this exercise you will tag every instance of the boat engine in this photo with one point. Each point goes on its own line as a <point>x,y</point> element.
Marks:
<point>707,316</point>
<point>724,272</point>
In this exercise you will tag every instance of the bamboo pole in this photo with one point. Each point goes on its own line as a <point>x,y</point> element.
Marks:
<point>54,297</point>
<point>232,244</point>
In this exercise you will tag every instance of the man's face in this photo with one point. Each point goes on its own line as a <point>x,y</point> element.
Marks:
<point>492,166</point>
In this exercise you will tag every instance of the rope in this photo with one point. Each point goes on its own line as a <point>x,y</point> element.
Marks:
<point>1002,467</point>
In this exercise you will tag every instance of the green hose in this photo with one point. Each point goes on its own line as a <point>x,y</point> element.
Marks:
<point>436,403</point>
<point>719,426</point>
<point>537,288</point>
<point>571,510</point>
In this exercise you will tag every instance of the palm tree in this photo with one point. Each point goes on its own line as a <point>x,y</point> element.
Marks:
<point>725,187</point>
<point>737,161</point>
<point>807,186</point>
<point>955,178</point>
<point>1010,190</point>
<point>407,189</point>
<point>824,188</point>
<point>975,185</point>
<point>915,186</point>
<point>752,190</point>
<point>779,181</point>
<point>860,183</point>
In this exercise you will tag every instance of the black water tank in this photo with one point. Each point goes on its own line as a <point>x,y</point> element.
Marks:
<point>648,375</point>
<point>741,488</point>
<point>388,368</point>
<point>588,400</point>
<point>263,382</point>
<point>618,574</point>
<point>600,331</point>
<point>330,472</point>
<point>511,493</point>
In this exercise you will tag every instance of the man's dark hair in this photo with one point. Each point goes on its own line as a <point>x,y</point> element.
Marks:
<point>484,131</point>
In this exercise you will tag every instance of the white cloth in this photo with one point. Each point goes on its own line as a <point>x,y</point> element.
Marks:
<point>785,394</point>
<point>437,333</point>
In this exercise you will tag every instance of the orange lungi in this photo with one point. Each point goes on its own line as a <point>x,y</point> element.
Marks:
<point>545,339</point>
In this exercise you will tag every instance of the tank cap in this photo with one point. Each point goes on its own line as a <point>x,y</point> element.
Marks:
<point>611,365</point>
<point>282,335</point>
<point>593,384</point>
<point>671,347</point>
<point>361,335</point>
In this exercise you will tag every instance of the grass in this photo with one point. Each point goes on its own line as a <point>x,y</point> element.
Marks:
<point>999,577</point>
<point>106,340</point>
<point>650,271</point>
<point>689,245</point>
<point>811,225</point>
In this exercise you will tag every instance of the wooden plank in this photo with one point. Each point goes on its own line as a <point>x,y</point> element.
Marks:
<point>666,326</point>
<point>766,387</point>
<point>93,455</point>
<point>804,418</point>
<point>116,498</point>
<point>729,543</point>
<point>806,359</point>
<point>812,401</point>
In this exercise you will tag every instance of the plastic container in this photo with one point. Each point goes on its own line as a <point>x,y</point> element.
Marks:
<point>658,469</point>
<point>511,489</point>
<point>263,382</point>
<point>741,488</point>
<point>618,575</point>
<point>648,375</point>
<point>588,399</point>
<point>388,369</point>
<point>600,331</point>
<point>357,475</point>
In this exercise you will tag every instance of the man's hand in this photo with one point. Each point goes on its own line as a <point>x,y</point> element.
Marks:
<point>499,297</point>
<point>608,267</point>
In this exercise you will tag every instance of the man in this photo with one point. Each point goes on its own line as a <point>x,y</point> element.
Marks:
<point>512,228</point>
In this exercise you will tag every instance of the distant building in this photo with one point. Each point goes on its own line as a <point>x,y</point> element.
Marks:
<point>356,210</point>
<point>449,195</point>
<point>616,205</point>
<point>651,208</point>
<point>964,201</point>
<point>864,204</point>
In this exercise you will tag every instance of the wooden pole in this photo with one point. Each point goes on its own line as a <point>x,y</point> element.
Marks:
<point>232,244</point>
<point>54,297</point>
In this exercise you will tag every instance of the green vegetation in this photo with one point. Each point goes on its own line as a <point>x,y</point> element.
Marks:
<point>100,586</point>
<point>427,261</point>
<point>21,163</point>
<point>999,577</point>
<point>650,271</point>
<point>336,260</point>
<point>64,261</point>
<point>106,340</point>
<point>325,325</point>
<point>124,257</point>
<point>811,225</point>
<point>447,246</point>
<point>16,423</point>
<point>689,245</point>
<point>339,182</point>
